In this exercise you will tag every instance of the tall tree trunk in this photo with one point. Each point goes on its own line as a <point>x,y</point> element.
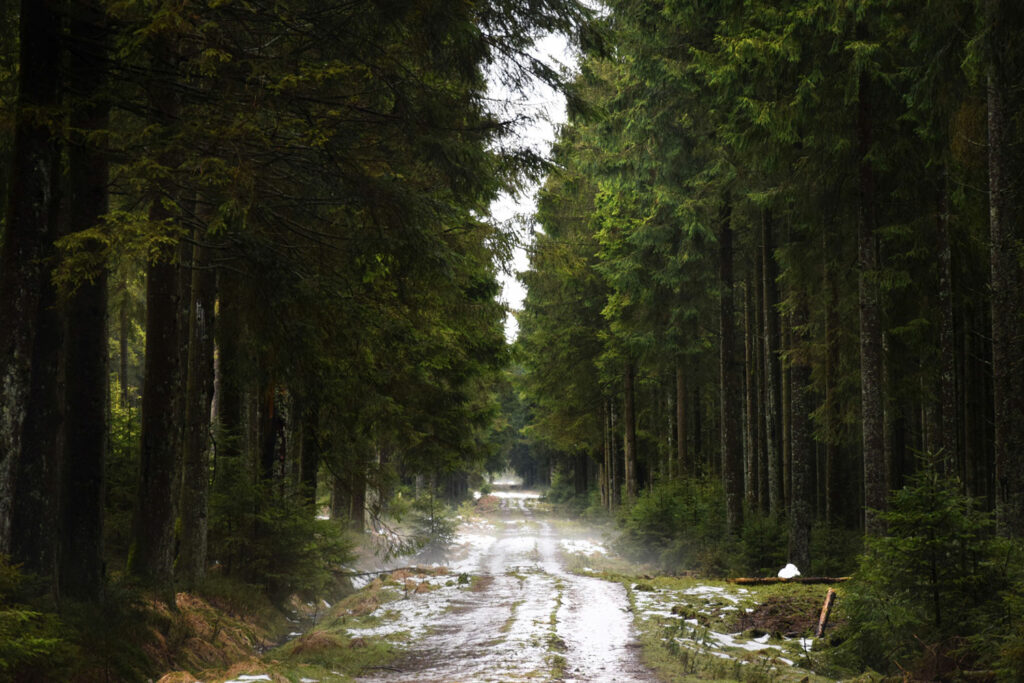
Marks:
<point>81,550</point>
<point>772,370</point>
<point>752,417</point>
<point>802,498</point>
<point>871,354</point>
<point>1006,284</point>
<point>29,232</point>
<point>198,397</point>
<point>685,466</point>
<point>311,446</point>
<point>732,452</point>
<point>629,432</point>
<point>831,410</point>
<point>162,404</point>
<point>616,476</point>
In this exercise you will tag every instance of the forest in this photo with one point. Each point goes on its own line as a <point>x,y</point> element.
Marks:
<point>250,310</point>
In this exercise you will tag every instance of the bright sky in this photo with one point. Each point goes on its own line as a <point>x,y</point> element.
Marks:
<point>548,108</point>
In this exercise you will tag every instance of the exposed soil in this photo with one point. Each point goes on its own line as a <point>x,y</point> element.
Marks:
<point>786,616</point>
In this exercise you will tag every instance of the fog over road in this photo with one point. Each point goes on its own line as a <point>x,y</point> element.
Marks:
<point>525,616</point>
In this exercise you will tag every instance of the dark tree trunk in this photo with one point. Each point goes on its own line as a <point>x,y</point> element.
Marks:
<point>831,410</point>
<point>153,551</point>
<point>357,498</point>
<point>30,229</point>
<point>949,417</point>
<point>81,566</point>
<point>871,353</point>
<point>751,411</point>
<point>732,451</point>
<point>311,446</point>
<point>616,477</point>
<point>1006,285</point>
<point>802,499</point>
<point>606,468</point>
<point>685,466</point>
<point>198,397</point>
<point>772,370</point>
<point>629,432</point>
<point>162,401</point>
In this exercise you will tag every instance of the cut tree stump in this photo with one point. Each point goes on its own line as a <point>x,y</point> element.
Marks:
<point>826,610</point>
<point>764,580</point>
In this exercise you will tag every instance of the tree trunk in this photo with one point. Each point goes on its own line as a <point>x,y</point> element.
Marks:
<point>832,418</point>
<point>629,430</point>
<point>199,395</point>
<point>772,370</point>
<point>1006,284</point>
<point>616,477</point>
<point>310,461</point>
<point>81,552</point>
<point>752,418</point>
<point>871,354</point>
<point>162,405</point>
<point>802,499</point>
<point>732,452</point>
<point>685,466</point>
<point>29,232</point>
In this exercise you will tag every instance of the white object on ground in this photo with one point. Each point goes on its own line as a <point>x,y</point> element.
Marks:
<point>789,571</point>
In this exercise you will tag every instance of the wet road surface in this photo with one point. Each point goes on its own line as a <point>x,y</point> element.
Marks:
<point>525,616</point>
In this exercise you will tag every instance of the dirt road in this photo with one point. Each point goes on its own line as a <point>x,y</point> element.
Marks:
<point>524,616</point>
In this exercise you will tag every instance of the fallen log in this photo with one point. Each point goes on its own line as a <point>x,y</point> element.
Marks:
<point>826,610</point>
<point>764,580</point>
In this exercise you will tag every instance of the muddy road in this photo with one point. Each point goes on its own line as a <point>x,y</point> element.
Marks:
<point>524,615</point>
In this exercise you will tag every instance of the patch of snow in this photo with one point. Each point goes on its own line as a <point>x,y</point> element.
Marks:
<point>249,677</point>
<point>789,571</point>
<point>583,547</point>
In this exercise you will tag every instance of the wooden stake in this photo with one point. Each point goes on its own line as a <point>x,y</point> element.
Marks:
<point>826,610</point>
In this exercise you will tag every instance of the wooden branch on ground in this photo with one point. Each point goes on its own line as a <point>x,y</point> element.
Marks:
<point>826,610</point>
<point>430,571</point>
<point>764,580</point>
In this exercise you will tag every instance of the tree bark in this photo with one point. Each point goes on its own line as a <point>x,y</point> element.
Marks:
<point>802,499</point>
<point>685,466</point>
<point>732,451</point>
<point>616,476</point>
<point>311,446</point>
<point>752,417</point>
<point>162,405</point>
<point>198,397</point>
<point>949,414</point>
<point>629,430</point>
<point>81,551</point>
<point>30,229</point>
<point>772,370</point>
<point>1006,284</point>
<point>871,353</point>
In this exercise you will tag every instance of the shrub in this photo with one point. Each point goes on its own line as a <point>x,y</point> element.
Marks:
<point>32,645</point>
<point>921,590</point>
<point>679,525</point>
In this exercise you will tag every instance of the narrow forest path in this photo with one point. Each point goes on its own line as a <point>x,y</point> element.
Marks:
<point>526,616</point>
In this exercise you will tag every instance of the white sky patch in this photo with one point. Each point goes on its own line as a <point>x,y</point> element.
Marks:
<point>546,111</point>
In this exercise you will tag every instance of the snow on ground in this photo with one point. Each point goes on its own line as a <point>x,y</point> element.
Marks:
<point>686,612</point>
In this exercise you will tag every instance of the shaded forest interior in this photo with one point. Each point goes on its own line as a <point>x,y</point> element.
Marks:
<point>250,310</point>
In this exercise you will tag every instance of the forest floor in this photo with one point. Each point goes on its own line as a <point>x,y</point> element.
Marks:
<point>525,595</point>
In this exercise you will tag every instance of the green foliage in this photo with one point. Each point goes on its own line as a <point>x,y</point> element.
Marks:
<point>764,542</point>
<point>924,588</point>
<point>33,645</point>
<point>433,525</point>
<point>122,471</point>
<point>680,525</point>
